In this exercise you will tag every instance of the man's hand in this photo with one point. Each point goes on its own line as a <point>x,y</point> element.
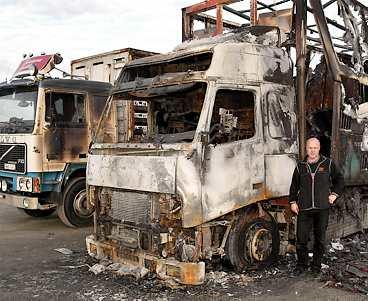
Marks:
<point>294,208</point>
<point>332,198</point>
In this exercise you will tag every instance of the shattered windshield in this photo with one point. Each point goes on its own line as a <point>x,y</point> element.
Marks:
<point>18,108</point>
<point>155,115</point>
<point>170,116</point>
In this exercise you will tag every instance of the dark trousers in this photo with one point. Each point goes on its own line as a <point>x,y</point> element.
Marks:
<point>308,219</point>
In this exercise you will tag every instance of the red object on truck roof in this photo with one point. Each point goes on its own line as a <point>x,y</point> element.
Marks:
<point>40,62</point>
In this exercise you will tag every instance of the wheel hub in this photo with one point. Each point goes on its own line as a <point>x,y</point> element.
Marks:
<point>80,204</point>
<point>258,244</point>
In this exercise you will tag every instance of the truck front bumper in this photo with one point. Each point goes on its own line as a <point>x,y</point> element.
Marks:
<point>24,202</point>
<point>187,273</point>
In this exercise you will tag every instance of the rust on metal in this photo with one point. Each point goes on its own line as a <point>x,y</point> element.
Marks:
<point>196,147</point>
<point>219,23</point>
<point>195,12</point>
<point>301,48</point>
<point>206,5</point>
<point>253,12</point>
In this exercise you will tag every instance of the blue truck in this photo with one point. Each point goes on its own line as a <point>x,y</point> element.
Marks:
<point>46,125</point>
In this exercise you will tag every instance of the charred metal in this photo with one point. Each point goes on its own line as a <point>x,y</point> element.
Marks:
<point>194,154</point>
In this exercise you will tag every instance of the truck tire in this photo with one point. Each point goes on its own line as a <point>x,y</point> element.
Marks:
<point>38,212</point>
<point>253,243</point>
<point>72,209</point>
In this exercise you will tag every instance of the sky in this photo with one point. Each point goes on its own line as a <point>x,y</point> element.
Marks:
<point>80,28</point>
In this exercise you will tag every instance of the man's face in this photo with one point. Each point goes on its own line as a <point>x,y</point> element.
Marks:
<point>313,147</point>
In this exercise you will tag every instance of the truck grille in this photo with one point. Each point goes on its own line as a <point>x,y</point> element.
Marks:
<point>13,158</point>
<point>131,207</point>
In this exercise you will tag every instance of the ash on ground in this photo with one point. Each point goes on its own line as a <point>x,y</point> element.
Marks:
<point>346,264</point>
<point>69,277</point>
<point>345,267</point>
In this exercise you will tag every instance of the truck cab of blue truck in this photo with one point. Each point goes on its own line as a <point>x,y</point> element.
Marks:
<point>46,126</point>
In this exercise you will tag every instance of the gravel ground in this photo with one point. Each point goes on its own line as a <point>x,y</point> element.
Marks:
<point>31,269</point>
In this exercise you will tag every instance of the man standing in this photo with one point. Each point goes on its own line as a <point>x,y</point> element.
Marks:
<point>315,186</point>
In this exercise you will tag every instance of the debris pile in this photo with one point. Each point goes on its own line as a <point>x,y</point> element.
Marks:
<point>226,279</point>
<point>346,264</point>
<point>119,269</point>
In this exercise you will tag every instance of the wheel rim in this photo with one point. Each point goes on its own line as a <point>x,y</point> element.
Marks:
<point>80,205</point>
<point>258,244</point>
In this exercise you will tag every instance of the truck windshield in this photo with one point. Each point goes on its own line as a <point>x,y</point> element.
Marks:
<point>160,115</point>
<point>171,115</point>
<point>18,107</point>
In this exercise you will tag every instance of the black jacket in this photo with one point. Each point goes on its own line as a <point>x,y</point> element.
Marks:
<point>313,183</point>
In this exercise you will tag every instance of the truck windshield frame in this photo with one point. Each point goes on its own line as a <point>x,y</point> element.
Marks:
<point>19,109</point>
<point>186,63</point>
<point>162,115</point>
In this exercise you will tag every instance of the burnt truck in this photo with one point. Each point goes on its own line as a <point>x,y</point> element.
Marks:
<point>194,153</point>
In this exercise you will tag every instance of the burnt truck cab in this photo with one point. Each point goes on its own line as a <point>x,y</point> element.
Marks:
<point>188,145</point>
<point>46,125</point>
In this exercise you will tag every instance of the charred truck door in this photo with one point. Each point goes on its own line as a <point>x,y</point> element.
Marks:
<point>280,135</point>
<point>66,137</point>
<point>234,156</point>
<point>66,120</point>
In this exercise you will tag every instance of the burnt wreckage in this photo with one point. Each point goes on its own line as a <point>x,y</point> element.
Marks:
<point>195,149</point>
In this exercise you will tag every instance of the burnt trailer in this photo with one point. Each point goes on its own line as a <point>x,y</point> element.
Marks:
<point>195,149</point>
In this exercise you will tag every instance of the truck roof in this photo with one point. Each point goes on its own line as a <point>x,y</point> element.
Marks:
<point>73,84</point>
<point>261,35</point>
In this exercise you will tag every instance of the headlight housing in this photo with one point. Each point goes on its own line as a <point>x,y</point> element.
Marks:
<point>24,184</point>
<point>4,185</point>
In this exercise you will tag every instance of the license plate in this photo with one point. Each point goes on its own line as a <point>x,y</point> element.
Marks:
<point>9,166</point>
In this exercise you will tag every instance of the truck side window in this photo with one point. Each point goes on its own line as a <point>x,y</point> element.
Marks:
<point>66,109</point>
<point>232,116</point>
<point>280,119</point>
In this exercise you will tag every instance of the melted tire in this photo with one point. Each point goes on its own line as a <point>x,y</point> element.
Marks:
<point>239,244</point>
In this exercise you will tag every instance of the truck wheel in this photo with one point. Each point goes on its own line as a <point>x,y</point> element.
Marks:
<point>38,212</point>
<point>253,243</point>
<point>73,210</point>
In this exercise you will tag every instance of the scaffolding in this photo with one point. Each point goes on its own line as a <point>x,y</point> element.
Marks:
<point>336,28</point>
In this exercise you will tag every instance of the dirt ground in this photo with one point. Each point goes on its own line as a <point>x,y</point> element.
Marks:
<point>30,269</point>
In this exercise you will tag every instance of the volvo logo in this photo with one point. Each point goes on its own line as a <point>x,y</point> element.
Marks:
<point>8,139</point>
